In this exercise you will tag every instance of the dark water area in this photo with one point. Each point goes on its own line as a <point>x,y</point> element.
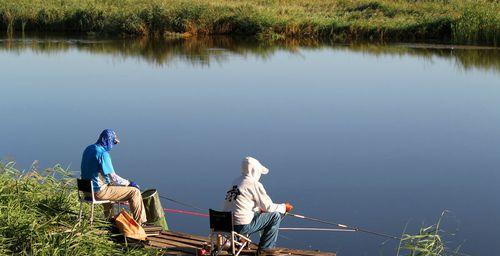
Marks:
<point>371,135</point>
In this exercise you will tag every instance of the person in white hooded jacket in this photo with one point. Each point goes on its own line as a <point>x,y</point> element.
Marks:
<point>253,210</point>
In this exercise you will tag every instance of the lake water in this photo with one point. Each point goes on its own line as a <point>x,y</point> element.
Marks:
<point>374,136</point>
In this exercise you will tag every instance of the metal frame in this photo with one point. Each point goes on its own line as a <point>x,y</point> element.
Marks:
<point>232,238</point>
<point>223,237</point>
<point>83,197</point>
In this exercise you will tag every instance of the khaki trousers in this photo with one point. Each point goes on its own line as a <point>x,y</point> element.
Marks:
<point>121,193</point>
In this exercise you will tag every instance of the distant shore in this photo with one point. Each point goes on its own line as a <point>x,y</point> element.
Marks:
<point>453,21</point>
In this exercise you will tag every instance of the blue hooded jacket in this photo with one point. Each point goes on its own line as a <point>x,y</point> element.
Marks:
<point>96,160</point>
<point>107,139</point>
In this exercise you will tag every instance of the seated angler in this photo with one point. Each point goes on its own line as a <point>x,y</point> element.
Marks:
<point>253,210</point>
<point>97,167</point>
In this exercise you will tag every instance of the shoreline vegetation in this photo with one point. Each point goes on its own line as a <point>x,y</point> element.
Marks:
<point>447,21</point>
<point>38,216</point>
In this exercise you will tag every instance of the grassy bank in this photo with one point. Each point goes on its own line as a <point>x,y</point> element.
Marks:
<point>34,217</point>
<point>459,21</point>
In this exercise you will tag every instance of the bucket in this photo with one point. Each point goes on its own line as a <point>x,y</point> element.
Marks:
<point>154,210</point>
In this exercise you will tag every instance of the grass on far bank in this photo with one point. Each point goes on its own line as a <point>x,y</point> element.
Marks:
<point>458,21</point>
<point>34,217</point>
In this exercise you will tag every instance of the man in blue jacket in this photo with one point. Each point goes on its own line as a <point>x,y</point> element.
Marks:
<point>97,167</point>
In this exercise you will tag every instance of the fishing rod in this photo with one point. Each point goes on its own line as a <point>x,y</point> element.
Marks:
<point>319,229</point>
<point>184,204</point>
<point>344,226</point>
<point>199,214</point>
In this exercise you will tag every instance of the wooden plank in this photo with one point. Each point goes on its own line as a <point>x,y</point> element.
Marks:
<point>176,243</point>
<point>183,240</point>
<point>184,235</point>
<point>166,251</point>
<point>172,246</point>
<point>152,234</point>
<point>195,238</point>
<point>188,239</point>
<point>173,243</point>
<point>159,244</point>
<point>306,252</point>
<point>173,238</point>
<point>152,229</point>
<point>197,243</point>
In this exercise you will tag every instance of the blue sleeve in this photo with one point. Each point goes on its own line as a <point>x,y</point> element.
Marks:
<point>106,164</point>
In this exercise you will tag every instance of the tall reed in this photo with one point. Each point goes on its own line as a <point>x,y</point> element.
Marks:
<point>428,241</point>
<point>36,217</point>
<point>458,21</point>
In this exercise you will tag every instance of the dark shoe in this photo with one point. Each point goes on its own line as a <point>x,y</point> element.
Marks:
<point>269,251</point>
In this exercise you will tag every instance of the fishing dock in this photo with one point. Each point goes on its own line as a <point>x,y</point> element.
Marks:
<point>178,243</point>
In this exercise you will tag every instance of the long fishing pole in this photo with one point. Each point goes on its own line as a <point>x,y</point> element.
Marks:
<point>319,229</point>
<point>344,226</point>
<point>184,204</point>
<point>301,217</point>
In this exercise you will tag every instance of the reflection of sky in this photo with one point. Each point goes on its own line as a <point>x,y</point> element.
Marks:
<point>348,136</point>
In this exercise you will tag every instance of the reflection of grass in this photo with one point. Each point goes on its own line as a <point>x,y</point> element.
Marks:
<point>205,50</point>
<point>481,58</point>
<point>458,20</point>
<point>34,217</point>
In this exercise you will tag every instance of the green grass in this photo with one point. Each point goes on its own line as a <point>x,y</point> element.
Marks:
<point>34,217</point>
<point>428,242</point>
<point>459,21</point>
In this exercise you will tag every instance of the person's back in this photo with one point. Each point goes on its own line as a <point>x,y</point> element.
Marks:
<point>248,196</point>
<point>240,200</point>
<point>97,166</point>
<point>92,164</point>
<point>253,210</point>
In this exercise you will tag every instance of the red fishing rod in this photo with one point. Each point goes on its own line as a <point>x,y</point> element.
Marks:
<point>199,214</point>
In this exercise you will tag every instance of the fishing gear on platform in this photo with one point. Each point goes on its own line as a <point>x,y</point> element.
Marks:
<point>343,227</point>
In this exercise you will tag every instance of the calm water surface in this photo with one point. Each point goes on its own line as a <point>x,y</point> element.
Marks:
<point>375,136</point>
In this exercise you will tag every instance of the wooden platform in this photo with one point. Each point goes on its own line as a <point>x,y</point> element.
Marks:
<point>177,243</point>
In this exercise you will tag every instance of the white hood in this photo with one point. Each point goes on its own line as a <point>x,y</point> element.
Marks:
<point>251,167</point>
<point>247,195</point>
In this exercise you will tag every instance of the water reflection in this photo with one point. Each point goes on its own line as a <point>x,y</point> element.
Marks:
<point>369,135</point>
<point>205,51</point>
